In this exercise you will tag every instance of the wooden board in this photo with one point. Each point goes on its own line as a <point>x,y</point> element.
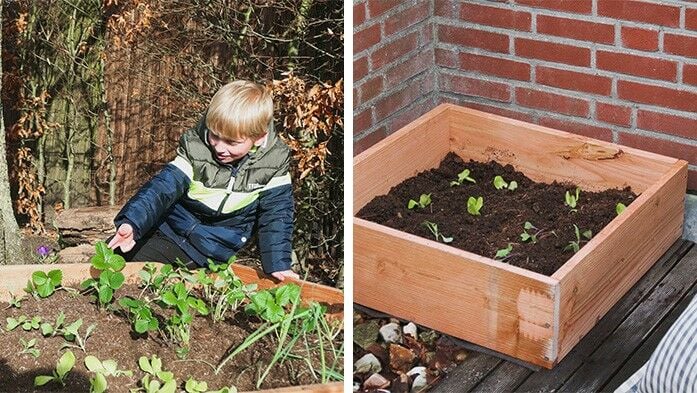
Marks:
<point>617,257</point>
<point>502,307</point>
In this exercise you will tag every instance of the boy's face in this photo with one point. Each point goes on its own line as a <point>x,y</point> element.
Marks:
<point>230,150</point>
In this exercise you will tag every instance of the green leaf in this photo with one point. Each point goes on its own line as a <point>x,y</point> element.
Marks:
<point>524,236</point>
<point>116,262</point>
<point>141,325</point>
<point>144,365</point>
<point>528,225</point>
<point>504,252</point>
<point>619,208</point>
<point>169,298</point>
<point>12,324</point>
<point>87,283</point>
<point>98,384</point>
<point>74,327</point>
<point>105,294</point>
<point>45,290</point>
<point>588,234</point>
<point>65,364</point>
<point>41,380</point>
<point>447,239</point>
<point>169,387</point>
<point>109,366</point>
<point>474,205</point>
<point>56,276</point>
<point>499,183</point>
<point>99,259</point>
<point>513,185</point>
<point>93,364</point>
<point>412,204</point>
<point>116,280</point>
<point>39,278</point>
<point>425,200</point>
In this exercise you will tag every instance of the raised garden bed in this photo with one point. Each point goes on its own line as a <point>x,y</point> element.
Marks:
<point>124,335</point>
<point>531,316</point>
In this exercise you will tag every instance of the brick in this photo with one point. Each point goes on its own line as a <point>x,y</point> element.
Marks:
<point>444,8</point>
<point>463,36</point>
<point>379,7</point>
<point>398,99</point>
<point>427,34</point>
<point>368,140</point>
<point>494,66</point>
<point>689,74</point>
<point>577,29</point>
<point>498,111</point>
<point>657,95</point>
<point>362,121</point>
<point>680,45</point>
<point>366,38</point>
<point>573,127</point>
<point>691,18</point>
<point>475,87</point>
<point>409,68</point>
<point>660,146</point>
<point>571,80</point>
<point>615,114</point>
<point>558,53</point>
<point>369,90</point>
<point>360,69</point>
<point>358,14</point>
<point>408,17</point>
<point>498,17</point>
<point>647,67</point>
<point>641,39</point>
<point>446,58</point>
<point>388,53</point>
<point>640,11</point>
<point>670,124</point>
<point>692,180</point>
<point>575,6</point>
<point>552,102</point>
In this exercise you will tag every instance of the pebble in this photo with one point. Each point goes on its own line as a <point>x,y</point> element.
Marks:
<point>410,329</point>
<point>390,333</point>
<point>419,383</point>
<point>367,364</point>
<point>376,381</point>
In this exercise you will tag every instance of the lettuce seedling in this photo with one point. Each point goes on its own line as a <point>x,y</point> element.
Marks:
<point>63,366</point>
<point>424,200</point>
<point>500,184</point>
<point>571,200</point>
<point>474,205</point>
<point>156,380</point>
<point>71,333</point>
<point>15,301</point>
<point>44,284</point>
<point>504,253</point>
<point>619,208</point>
<point>433,227</point>
<point>462,177</point>
<point>102,369</point>
<point>110,277</point>
<point>576,245</point>
<point>26,323</point>
<point>28,347</point>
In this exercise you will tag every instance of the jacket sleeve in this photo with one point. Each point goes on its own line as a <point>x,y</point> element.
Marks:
<point>153,199</point>
<point>275,222</point>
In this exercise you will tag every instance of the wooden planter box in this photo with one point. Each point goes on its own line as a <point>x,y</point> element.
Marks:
<point>526,315</point>
<point>14,279</point>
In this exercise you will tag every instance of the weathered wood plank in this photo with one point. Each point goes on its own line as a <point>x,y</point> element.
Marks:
<point>505,378</point>
<point>598,368</point>
<point>468,374</point>
<point>548,380</point>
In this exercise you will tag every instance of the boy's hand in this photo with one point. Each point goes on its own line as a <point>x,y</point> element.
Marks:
<point>123,238</point>
<point>283,274</point>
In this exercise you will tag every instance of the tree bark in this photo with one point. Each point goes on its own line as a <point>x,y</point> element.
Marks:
<point>11,250</point>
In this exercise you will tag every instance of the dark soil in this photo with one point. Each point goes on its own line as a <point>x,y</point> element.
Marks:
<point>503,215</point>
<point>114,339</point>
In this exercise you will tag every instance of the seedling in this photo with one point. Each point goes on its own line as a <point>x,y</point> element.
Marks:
<point>571,200</point>
<point>22,320</point>
<point>424,200</point>
<point>500,184</point>
<point>44,284</point>
<point>504,253</point>
<point>28,347</point>
<point>619,208</point>
<point>70,333</point>
<point>156,380</point>
<point>433,227</point>
<point>141,315</point>
<point>107,367</point>
<point>462,177</point>
<point>576,245</point>
<point>15,301</point>
<point>474,205</point>
<point>178,326</point>
<point>535,233</point>
<point>63,366</point>
<point>224,293</point>
<point>110,276</point>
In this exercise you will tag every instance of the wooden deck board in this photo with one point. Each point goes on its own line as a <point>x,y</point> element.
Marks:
<point>614,347</point>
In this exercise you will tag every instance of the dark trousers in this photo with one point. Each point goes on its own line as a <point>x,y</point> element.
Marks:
<point>156,247</point>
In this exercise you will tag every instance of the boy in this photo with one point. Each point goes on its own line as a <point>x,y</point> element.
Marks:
<point>230,177</point>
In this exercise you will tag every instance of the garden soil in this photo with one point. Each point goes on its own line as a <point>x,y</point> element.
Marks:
<point>115,339</point>
<point>503,215</point>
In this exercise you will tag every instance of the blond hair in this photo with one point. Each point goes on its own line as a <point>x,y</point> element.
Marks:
<point>240,109</point>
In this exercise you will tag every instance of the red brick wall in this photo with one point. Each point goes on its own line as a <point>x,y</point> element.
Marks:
<point>393,70</point>
<point>623,71</point>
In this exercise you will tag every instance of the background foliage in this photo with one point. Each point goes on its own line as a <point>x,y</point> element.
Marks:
<point>97,93</point>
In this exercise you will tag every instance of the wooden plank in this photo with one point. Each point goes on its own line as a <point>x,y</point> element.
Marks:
<point>598,275</point>
<point>423,144</point>
<point>548,380</point>
<point>505,308</point>
<point>544,154</point>
<point>334,387</point>
<point>644,352</point>
<point>505,378</point>
<point>609,357</point>
<point>468,374</point>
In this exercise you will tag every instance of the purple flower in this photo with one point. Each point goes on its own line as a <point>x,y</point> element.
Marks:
<point>43,250</point>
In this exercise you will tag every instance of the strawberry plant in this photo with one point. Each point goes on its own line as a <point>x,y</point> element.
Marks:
<point>500,184</point>
<point>63,367</point>
<point>110,277</point>
<point>474,205</point>
<point>424,200</point>
<point>462,177</point>
<point>141,315</point>
<point>178,326</point>
<point>43,284</point>
<point>433,227</point>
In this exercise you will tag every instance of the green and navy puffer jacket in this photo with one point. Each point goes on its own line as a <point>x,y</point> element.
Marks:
<point>211,209</point>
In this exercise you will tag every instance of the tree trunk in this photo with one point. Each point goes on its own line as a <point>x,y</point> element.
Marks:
<point>11,250</point>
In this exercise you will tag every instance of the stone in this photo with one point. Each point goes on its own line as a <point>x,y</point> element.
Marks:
<point>366,333</point>
<point>367,364</point>
<point>401,359</point>
<point>376,381</point>
<point>410,329</point>
<point>419,383</point>
<point>391,333</point>
<point>418,370</point>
